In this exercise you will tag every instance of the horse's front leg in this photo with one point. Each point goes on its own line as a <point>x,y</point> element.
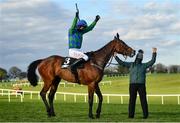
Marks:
<point>91,89</point>
<point>99,94</point>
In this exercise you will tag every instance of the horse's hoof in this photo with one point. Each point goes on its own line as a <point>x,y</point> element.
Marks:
<point>91,116</point>
<point>49,115</point>
<point>53,115</point>
<point>97,115</point>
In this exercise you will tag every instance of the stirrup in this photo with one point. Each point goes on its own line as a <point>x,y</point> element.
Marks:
<point>64,66</point>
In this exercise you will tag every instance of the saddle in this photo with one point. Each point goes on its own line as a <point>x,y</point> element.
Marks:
<point>68,61</point>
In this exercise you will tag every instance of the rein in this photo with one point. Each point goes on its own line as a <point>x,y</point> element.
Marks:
<point>110,62</point>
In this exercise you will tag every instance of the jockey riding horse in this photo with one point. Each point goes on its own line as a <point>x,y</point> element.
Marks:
<point>76,32</point>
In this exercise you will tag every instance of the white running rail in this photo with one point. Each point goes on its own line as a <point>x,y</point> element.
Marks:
<point>21,93</point>
<point>64,83</point>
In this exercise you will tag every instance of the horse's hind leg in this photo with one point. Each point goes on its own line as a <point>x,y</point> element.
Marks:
<point>51,94</point>
<point>99,94</point>
<point>43,96</point>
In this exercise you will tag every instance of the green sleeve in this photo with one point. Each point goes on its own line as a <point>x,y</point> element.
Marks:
<point>74,23</point>
<point>125,64</point>
<point>90,27</point>
<point>152,61</point>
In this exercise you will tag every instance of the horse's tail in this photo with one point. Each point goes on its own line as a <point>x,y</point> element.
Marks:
<point>31,72</point>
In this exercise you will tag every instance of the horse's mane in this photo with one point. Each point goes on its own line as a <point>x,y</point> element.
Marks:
<point>102,48</point>
<point>90,53</point>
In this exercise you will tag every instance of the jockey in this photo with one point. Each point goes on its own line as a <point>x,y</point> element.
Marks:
<point>78,28</point>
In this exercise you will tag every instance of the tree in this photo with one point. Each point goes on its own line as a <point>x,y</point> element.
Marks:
<point>14,72</point>
<point>123,70</point>
<point>22,75</point>
<point>110,70</point>
<point>107,71</point>
<point>160,68</point>
<point>178,68</point>
<point>173,69</point>
<point>152,69</point>
<point>3,74</point>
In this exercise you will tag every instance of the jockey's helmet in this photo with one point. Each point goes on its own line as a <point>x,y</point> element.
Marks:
<point>81,23</point>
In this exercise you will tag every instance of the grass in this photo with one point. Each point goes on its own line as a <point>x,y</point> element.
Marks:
<point>156,84</point>
<point>33,109</point>
<point>77,112</point>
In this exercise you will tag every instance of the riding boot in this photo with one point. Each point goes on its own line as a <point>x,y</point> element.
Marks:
<point>76,64</point>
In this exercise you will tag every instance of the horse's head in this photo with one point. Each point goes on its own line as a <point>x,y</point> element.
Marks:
<point>122,48</point>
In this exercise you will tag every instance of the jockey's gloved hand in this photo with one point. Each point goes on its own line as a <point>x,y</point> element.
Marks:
<point>97,18</point>
<point>77,14</point>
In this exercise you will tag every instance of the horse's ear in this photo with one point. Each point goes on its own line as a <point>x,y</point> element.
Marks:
<point>117,36</point>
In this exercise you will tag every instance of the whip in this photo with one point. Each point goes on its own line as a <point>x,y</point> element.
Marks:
<point>77,10</point>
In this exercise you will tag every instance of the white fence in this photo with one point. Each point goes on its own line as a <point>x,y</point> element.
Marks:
<point>61,83</point>
<point>21,93</point>
<point>10,93</point>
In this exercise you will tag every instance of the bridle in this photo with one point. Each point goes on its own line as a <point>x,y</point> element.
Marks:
<point>110,62</point>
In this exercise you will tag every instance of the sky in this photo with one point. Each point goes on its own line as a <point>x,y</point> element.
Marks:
<point>35,29</point>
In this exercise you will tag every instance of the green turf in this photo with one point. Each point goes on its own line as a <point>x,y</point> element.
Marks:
<point>35,111</point>
<point>156,84</point>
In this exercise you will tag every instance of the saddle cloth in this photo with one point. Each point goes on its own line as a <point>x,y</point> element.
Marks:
<point>68,61</point>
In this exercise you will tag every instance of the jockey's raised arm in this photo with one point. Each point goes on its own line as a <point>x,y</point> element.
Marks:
<point>75,37</point>
<point>75,21</point>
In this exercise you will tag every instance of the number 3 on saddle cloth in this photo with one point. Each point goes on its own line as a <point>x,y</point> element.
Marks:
<point>68,61</point>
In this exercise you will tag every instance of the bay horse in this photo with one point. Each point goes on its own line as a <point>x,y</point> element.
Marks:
<point>51,73</point>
